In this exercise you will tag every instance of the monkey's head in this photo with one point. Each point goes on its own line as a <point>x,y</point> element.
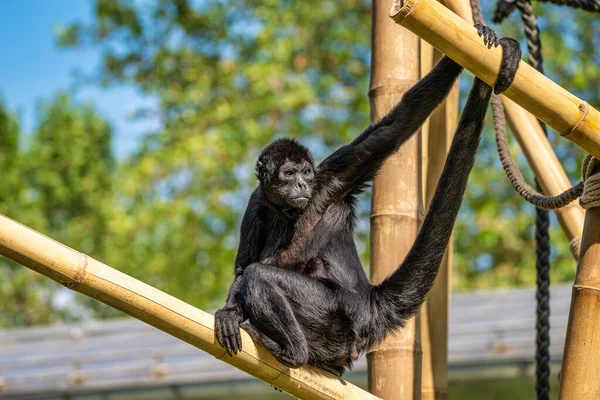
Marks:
<point>286,172</point>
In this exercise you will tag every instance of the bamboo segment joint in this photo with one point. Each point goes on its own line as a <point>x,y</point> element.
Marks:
<point>581,288</point>
<point>583,108</point>
<point>80,273</point>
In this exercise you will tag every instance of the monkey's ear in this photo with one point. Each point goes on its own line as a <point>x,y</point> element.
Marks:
<point>260,169</point>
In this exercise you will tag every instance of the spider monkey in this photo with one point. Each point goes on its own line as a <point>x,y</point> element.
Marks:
<point>299,283</point>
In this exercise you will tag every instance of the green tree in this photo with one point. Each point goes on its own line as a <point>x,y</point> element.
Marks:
<point>24,296</point>
<point>70,172</point>
<point>71,168</point>
<point>61,185</point>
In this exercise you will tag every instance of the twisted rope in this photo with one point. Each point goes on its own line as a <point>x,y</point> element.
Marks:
<point>542,234</point>
<point>591,193</point>
<point>542,237</point>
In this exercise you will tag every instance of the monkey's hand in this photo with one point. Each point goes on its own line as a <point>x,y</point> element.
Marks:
<point>273,261</point>
<point>284,261</point>
<point>511,55</point>
<point>227,328</point>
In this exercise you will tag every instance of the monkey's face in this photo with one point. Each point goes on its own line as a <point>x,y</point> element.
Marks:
<point>287,174</point>
<point>294,183</point>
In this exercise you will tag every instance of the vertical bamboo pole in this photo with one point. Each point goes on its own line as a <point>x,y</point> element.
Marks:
<point>435,345</point>
<point>427,379</point>
<point>581,358</point>
<point>395,364</point>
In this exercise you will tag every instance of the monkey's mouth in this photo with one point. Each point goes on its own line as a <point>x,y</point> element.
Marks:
<point>299,202</point>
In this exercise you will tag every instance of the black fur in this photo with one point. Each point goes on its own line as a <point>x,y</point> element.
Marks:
<point>299,281</point>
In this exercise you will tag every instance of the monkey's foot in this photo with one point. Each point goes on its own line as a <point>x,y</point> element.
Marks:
<point>273,347</point>
<point>287,361</point>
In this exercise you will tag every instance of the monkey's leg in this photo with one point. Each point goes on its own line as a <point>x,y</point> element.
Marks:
<point>272,319</point>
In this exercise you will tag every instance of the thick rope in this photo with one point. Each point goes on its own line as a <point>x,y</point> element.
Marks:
<point>542,218</point>
<point>591,193</point>
<point>514,174</point>
<point>542,234</point>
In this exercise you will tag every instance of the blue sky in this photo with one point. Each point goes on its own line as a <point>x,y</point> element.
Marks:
<point>33,68</point>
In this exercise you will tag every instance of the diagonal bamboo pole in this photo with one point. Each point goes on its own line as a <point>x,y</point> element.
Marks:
<point>83,274</point>
<point>572,117</point>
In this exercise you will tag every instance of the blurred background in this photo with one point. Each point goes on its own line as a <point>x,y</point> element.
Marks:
<point>129,131</point>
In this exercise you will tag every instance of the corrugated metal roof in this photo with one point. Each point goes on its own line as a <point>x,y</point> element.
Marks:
<point>492,327</point>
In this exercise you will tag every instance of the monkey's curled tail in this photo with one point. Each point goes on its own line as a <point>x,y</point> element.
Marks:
<point>399,296</point>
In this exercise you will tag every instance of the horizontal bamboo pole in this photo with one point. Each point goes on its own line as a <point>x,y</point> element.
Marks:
<point>571,117</point>
<point>83,274</point>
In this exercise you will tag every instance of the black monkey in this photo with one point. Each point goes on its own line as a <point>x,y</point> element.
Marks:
<point>298,278</point>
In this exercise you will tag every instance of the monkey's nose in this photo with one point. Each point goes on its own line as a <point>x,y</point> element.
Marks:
<point>302,185</point>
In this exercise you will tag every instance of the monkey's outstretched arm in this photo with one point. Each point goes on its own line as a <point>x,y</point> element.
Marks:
<point>349,168</point>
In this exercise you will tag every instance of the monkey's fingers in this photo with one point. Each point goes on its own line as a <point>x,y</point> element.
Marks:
<point>222,335</point>
<point>229,346</point>
<point>489,36</point>
<point>234,337</point>
<point>238,340</point>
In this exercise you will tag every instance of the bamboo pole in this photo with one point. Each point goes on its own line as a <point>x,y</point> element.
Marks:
<point>83,274</point>
<point>581,357</point>
<point>573,118</point>
<point>427,379</point>
<point>442,125</point>
<point>395,364</point>
<point>536,147</point>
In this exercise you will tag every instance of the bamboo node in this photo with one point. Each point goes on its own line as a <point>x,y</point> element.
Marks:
<point>583,108</point>
<point>80,273</point>
<point>392,87</point>
<point>580,288</point>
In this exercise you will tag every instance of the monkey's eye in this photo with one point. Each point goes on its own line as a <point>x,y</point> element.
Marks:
<point>288,173</point>
<point>307,171</point>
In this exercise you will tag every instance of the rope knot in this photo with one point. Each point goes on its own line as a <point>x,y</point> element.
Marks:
<point>591,188</point>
